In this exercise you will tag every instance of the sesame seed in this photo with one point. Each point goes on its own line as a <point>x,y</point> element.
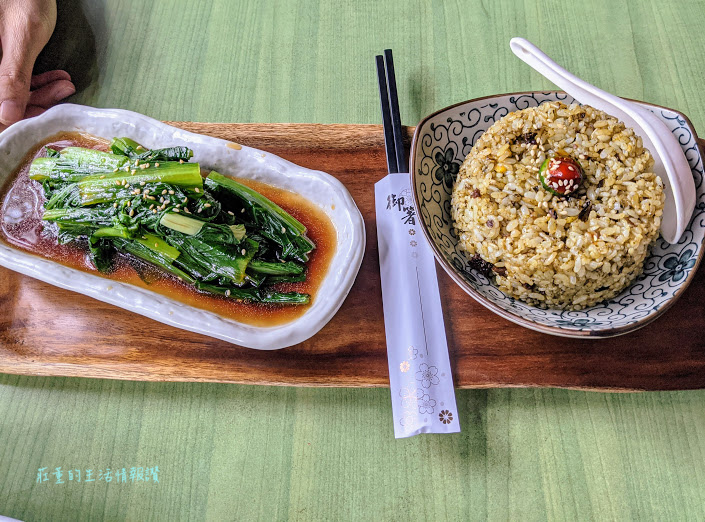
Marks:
<point>102,177</point>
<point>199,210</point>
<point>129,203</point>
<point>115,169</point>
<point>118,182</point>
<point>242,211</point>
<point>283,230</point>
<point>142,183</point>
<point>151,206</point>
<point>185,200</point>
<point>206,205</point>
<point>181,161</point>
<point>243,251</point>
<point>151,198</point>
<point>187,210</point>
<point>176,210</point>
<point>140,147</point>
<point>143,166</point>
<point>132,172</point>
<point>146,191</point>
<point>154,211</point>
<point>115,205</point>
<point>156,245</point>
<point>156,164</point>
<point>178,205</point>
<point>227,293</point>
<point>171,192</point>
<point>231,212</point>
<point>197,190</point>
<point>132,212</point>
<point>146,166</point>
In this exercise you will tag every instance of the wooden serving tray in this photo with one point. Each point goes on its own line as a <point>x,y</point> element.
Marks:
<point>45,330</point>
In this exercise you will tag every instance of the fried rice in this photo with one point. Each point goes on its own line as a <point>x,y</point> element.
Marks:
<point>566,252</point>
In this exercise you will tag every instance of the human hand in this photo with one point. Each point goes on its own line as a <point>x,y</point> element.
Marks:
<point>25,28</point>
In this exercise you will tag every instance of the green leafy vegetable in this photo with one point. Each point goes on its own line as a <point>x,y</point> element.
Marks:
<point>270,220</point>
<point>135,151</point>
<point>219,235</point>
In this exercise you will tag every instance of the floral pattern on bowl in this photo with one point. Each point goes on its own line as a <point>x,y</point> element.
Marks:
<point>439,147</point>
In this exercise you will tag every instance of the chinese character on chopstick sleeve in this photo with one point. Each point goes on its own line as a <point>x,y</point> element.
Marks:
<point>394,201</point>
<point>409,216</point>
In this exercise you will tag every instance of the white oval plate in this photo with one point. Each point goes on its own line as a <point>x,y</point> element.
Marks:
<point>320,188</point>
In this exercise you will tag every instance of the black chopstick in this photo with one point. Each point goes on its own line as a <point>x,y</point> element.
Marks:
<point>394,108</point>
<point>389,146</point>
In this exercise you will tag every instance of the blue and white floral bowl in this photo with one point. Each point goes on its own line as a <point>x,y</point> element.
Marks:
<point>440,144</point>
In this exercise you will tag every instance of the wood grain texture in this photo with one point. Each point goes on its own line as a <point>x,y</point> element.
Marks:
<point>49,331</point>
<point>232,452</point>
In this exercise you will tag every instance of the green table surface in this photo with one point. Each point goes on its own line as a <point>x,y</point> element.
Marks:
<point>254,452</point>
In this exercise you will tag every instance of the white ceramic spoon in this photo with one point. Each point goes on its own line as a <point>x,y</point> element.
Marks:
<point>670,162</point>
